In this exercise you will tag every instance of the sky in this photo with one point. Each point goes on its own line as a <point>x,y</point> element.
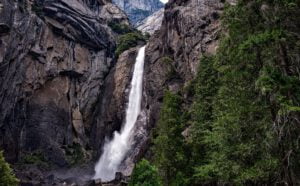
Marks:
<point>164,1</point>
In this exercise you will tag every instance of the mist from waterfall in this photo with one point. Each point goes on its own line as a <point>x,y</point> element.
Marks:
<point>114,151</point>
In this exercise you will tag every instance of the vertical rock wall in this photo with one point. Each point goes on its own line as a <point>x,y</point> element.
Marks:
<point>190,29</point>
<point>54,59</point>
<point>138,10</point>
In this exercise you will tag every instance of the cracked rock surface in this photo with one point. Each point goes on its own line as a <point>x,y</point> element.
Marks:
<point>55,56</point>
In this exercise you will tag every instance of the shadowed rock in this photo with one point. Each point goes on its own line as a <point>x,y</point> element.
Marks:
<point>55,56</point>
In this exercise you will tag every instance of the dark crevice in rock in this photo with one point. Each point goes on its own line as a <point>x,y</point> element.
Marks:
<point>4,29</point>
<point>70,73</point>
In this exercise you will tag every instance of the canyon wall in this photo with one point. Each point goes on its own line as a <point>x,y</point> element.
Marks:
<point>54,60</point>
<point>138,10</point>
<point>189,29</point>
<point>61,89</point>
<point>151,23</point>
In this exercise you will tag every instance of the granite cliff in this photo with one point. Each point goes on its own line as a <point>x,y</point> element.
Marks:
<point>55,57</point>
<point>189,30</point>
<point>62,90</point>
<point>151,23</point>
<point>138,10</point>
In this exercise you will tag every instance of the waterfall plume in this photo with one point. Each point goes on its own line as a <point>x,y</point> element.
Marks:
<point>115,150</point>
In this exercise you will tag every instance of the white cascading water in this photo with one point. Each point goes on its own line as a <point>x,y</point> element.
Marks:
<point>115,150</point>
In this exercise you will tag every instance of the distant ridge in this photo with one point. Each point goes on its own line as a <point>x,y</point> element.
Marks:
<point>138,10</point>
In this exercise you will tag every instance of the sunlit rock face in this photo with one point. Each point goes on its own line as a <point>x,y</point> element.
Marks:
<point>151,23</point>
<point>138,10</point>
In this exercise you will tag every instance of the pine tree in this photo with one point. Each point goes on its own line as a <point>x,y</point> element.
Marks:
<point>245,116</point>
<point>254,131</point>
<point>206,86</point>
<point>145,174</point>
<point>168,148</point>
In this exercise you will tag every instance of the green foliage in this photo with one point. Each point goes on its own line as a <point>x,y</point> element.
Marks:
<point>206,87</point>
<point>145,174</point>
<point>129,40</point>
<point>169,146</point>
<point>242,130</point>
<point>246,111</point>
<point>171,71</point>
<point>235,129</point>
<point>7,177</point>
<point>74,154</point>
<point>120,28</point>
<point>147,36</point>
<point>167,60</point>
<point>36,158</point>
<point>189,88</point>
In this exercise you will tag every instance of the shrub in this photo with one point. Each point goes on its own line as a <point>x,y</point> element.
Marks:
<point>129,40</point>
<point>36,158</point>
<point>7,177</point>
<point>74,154</point>
<point>120,28</point>
<point>147,35</point>
<point>144,174</point>
<point>171,70</point>
<point>167,60</point>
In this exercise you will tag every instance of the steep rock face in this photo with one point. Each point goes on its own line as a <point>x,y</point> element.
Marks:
<point>54,59</point>
<point>138,10</point>
<point>113,105</point>
<point>189,29</point>
<point>151,23</point>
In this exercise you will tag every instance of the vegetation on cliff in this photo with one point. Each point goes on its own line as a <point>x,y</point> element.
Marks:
<point>244,122</point>
<point>129,37</point>
<point>145,174</point>
<point>129,40</point>
<point>7,177</point>
<point>169,145</point>
<point>120,28</point>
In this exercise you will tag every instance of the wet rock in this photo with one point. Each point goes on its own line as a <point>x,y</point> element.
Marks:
<point>119,176</point>
<point>97,182</point>
<point>72,181</point>
<point>189,30</point>
<point>111,110</point>
<point>120,180</point>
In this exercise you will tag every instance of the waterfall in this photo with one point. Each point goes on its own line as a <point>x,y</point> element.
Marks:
<point>115,150</point>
